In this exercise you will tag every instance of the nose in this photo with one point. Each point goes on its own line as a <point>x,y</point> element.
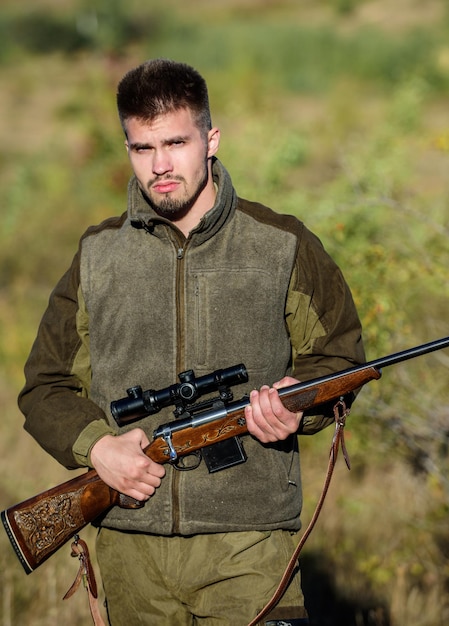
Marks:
<point>161,162</point>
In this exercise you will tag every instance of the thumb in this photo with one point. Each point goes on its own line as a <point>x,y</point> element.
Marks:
<point>140,437</point>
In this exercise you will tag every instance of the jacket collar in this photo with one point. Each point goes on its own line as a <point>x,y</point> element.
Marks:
<point>141,214</point>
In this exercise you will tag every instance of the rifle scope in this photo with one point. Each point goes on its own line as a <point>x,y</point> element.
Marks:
<point>139,403</point>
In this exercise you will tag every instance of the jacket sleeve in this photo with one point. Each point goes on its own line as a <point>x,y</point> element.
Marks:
<point>323,323</point>
<point>54,400</point>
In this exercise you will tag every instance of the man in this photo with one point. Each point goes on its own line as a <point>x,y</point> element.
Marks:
<point>190,277</point>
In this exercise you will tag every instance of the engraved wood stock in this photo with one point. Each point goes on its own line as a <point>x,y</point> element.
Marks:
<point>40,525</point>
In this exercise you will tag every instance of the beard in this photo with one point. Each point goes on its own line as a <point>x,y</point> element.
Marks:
<point>176,207</point>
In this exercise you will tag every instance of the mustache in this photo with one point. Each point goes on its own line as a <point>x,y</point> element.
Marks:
<point>158,179</point>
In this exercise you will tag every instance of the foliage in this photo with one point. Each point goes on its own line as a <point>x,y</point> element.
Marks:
<point>324,116</point>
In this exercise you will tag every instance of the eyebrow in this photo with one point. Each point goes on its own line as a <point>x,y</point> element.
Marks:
<point>166,142</point>
<point>137,146</point>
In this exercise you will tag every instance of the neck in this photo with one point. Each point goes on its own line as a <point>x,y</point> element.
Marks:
<point>192,218</point>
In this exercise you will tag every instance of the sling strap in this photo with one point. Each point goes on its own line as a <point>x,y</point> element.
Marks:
<point>340,414</point>
<point>87,575</point>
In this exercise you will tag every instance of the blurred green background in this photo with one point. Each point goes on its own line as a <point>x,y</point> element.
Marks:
<point>335,111</point>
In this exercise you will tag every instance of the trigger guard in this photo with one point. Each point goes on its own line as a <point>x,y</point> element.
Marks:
<point>186,463</point>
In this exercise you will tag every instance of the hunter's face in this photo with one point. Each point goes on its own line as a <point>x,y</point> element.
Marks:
<point>170,158</point>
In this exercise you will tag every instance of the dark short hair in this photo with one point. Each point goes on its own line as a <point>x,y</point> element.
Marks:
<point>161,86</point>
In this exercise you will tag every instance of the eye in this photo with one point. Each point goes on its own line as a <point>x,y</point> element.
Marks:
<point>139,148</point>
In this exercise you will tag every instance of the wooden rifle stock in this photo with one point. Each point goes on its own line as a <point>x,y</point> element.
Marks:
<point>39,526</point>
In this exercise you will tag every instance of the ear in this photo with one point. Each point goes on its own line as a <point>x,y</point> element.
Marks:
<point>213,141</point>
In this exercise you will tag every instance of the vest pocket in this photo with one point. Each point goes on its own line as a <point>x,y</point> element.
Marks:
<point>234,309</point>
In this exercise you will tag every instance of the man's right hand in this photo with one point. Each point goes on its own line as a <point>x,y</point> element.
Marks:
<point>121,463</point>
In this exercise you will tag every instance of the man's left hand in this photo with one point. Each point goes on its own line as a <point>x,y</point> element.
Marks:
<point>267,418</point>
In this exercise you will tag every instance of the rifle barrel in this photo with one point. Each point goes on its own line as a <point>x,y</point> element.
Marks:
<point>411,353</point>
<point>377,364</point>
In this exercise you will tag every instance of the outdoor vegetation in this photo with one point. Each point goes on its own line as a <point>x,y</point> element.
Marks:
<point>335,111</point>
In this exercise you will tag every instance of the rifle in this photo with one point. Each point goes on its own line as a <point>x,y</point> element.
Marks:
<point>39,526</point>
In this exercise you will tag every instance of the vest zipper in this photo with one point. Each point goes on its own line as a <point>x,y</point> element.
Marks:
<point>180,365</point>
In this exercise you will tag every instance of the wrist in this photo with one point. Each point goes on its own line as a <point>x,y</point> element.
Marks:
<point>91,435</point>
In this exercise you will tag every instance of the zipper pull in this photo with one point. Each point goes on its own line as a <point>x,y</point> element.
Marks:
<point>180,253</point>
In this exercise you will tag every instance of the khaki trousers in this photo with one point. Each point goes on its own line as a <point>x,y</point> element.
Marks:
<point>221,579</point>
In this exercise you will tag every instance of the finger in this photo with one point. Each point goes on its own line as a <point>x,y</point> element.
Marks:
<point>287,381</point>
<point>273,412</point>
<point>256,420</point>
<point>139,436</point>
<point>279,421</point>
<point>287,421</point>
<point>277,407</point>
<point>157,470</point>
<point>144,489</point>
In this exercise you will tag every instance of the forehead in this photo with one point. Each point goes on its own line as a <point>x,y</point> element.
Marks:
<point>176,123</point>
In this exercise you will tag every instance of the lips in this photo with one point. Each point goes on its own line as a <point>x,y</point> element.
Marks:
<point>165,186</point>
